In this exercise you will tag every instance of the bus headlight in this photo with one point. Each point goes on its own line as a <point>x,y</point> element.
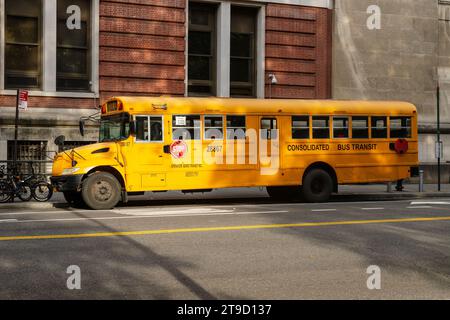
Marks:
<point>70,171</point>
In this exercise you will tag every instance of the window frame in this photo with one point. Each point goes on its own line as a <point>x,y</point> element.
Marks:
<point>149,128</point>
<point>40,45</point>
<point>408,128</point>
<point>205,128</point>
<point>212,28</point>
<point>88,49</point>
<point>368,127</point>
<point>235,128</point>
<point>309,127</point>
<point>333,127</point>
<point>192,138</point>
<point>313,127</point>
<point>372,127</point>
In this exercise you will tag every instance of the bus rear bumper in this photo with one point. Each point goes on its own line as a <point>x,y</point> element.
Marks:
<point>67,183</point>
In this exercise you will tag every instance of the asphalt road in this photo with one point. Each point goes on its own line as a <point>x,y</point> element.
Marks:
<point>228,249</point>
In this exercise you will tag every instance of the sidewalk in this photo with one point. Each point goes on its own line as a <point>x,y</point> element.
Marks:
<point>375,192</point>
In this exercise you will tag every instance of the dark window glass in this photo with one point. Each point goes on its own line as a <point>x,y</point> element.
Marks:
<point>321,127</point>
<point>201,48</point>
<point>340,127</point>
<point>142,128</point>
<point>213,127</point>
<point>73,50</point>
<point>242,51</point>
<point>268,128</point>
<point>300,127</point>
<point>236,127</point>
<point>360,127</point>
<point>379,127</point>
<point>186,127</point>
<point>400,127</point>
<point>23,44</point>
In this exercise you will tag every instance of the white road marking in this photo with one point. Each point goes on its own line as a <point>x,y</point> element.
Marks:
<point>8,220</point>
<point>419,207</point>
<point>429,202</point>
<point>141,217</point>
<point>323,210</point>
<point>367,209</point>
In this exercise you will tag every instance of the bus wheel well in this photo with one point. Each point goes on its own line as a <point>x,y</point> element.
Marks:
<point>111,170</point>
<point>324,166</point>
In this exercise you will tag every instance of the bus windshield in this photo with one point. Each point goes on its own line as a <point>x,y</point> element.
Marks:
<point>115,127</point>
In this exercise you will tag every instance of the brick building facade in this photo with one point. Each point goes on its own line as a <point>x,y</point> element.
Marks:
<point>144,47</point>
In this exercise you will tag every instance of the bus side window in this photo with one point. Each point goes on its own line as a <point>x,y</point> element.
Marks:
<point>300,127</point>
<point>186,127</point>
<point>156,130</point>
<point>236,127</point>
<point>213,127</point>
<point>340,127</point>
<point>379,127</point>
<point>142,129</point>
<point>400,127</point>
<point>360,127</point>
<point>321,127</point>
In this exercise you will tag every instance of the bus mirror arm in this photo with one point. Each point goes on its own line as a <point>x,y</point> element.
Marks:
<point>166,149</point>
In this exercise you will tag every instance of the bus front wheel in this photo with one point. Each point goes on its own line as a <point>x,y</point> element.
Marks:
<point>101,191</point>
<point>317,186</point>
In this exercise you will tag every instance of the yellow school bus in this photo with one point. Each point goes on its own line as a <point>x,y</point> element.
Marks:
<point>295,148</point>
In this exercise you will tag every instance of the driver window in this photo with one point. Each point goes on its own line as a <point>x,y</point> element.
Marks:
<point>142,128</point>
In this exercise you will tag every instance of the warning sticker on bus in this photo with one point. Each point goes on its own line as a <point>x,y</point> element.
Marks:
<point>178,149</point>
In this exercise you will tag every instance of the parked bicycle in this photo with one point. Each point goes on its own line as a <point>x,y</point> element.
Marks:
<point>12,186</point>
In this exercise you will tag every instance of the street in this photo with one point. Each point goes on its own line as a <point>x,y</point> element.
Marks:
<point>229,248</point>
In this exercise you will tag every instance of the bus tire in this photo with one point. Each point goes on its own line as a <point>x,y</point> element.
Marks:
<point>317,186</point>
<point>284,193</point>
<point>101,191</point>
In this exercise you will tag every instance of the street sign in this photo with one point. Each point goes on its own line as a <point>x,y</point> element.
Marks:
<point>23,100</point>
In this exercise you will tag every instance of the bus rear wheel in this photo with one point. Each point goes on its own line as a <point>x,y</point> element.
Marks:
<point>317,186</point>
<point>284,193</point>
<point>101,191</point>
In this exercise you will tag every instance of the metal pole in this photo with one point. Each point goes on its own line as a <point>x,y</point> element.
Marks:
<point>439,137</point>
<point>420,180</point>
<point>16,129</point>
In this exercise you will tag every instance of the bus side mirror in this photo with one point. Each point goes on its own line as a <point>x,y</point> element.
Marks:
<point>166,149</point>
<point>132,128</point>
<point>81,126</point>
<point>59,140</point>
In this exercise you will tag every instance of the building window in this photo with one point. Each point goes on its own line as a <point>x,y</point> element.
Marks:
<point>201,48</point>
<point>29,152</point>
<point>73,56</point>
<point>23,44</point>
<point>242,51</point>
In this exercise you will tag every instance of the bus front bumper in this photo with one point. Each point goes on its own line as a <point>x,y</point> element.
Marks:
<point>67,183</point>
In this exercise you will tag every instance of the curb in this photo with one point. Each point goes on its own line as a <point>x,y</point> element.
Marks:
<point>342,197</point>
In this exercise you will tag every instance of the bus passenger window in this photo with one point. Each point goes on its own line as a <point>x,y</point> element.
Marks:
<point>156,131</point>
<point>360,127</point>
<point>186,127</point>
<point>400,127</point>
<point>321,127</point>
<point>213,128</point>
<point>379,127</point>
<point>142,128</point>
<point>340,127</point>
<point>236,127</point>
<point>300,127</point>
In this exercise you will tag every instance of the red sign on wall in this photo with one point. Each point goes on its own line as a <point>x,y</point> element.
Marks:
<point>23,99</point>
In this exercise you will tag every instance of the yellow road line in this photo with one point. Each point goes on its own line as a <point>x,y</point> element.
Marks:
<point>228,228</point>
